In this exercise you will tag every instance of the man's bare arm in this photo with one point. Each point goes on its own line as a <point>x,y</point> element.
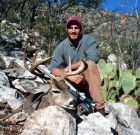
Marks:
<point>73,66</point>
<point>57,72</point>
<point>74,78</point>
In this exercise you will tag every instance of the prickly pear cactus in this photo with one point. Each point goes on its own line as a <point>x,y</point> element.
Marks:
<point>127,74</point>
<point>108,68</point>
<point>101,63</point>
<point>128,81</point>
<point>107,72</point>
<point>137,93</point>
<point>115,80</point>
<point>130,101</point>
<point>128,85</point>
<point>137,73</point>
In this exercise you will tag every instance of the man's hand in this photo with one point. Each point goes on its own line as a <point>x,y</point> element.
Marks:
<point>75,78</point>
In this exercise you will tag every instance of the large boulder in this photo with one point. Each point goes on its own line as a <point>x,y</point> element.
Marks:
<point>52,120</point>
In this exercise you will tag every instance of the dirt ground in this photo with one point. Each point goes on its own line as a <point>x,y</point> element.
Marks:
<point>10,129</point>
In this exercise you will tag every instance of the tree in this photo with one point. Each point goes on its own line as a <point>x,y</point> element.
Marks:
<point>122,35</point>
<point>131,47</point>
<point>47,16</point>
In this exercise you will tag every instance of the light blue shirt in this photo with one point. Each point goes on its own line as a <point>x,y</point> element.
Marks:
<point>86,45</point>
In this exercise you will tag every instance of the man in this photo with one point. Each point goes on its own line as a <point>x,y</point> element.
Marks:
<point>78,47</point>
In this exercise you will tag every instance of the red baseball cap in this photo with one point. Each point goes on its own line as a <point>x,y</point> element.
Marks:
<point>74,18</point>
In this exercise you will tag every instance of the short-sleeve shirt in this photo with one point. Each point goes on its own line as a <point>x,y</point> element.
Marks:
<point>86,49</point>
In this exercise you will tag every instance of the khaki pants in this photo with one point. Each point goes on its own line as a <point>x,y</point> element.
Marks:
<point>92,84</point>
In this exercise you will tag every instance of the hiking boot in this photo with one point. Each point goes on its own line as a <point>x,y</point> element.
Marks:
<point>101,111</point>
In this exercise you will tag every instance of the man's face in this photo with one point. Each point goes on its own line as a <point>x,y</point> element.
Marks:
<point>73,31</point>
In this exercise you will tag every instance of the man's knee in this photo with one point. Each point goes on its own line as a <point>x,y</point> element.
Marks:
<point>92,66</point>
<point>92,73</point>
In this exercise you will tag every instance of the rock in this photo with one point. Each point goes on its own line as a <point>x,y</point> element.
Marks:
<point>125,115</point>
<point>127,131</point>
<point>112,119</point>
<point>94,124</point>
<point>4,79</point>
<point>52,120</point>
<point>9,96</point>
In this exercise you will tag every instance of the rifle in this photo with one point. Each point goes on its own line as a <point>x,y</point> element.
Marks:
<point>86,105</point>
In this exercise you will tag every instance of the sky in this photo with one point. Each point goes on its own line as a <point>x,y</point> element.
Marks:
<point>121,6</point>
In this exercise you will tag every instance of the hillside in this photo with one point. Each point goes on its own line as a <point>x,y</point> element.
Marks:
<point>115,33</point>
